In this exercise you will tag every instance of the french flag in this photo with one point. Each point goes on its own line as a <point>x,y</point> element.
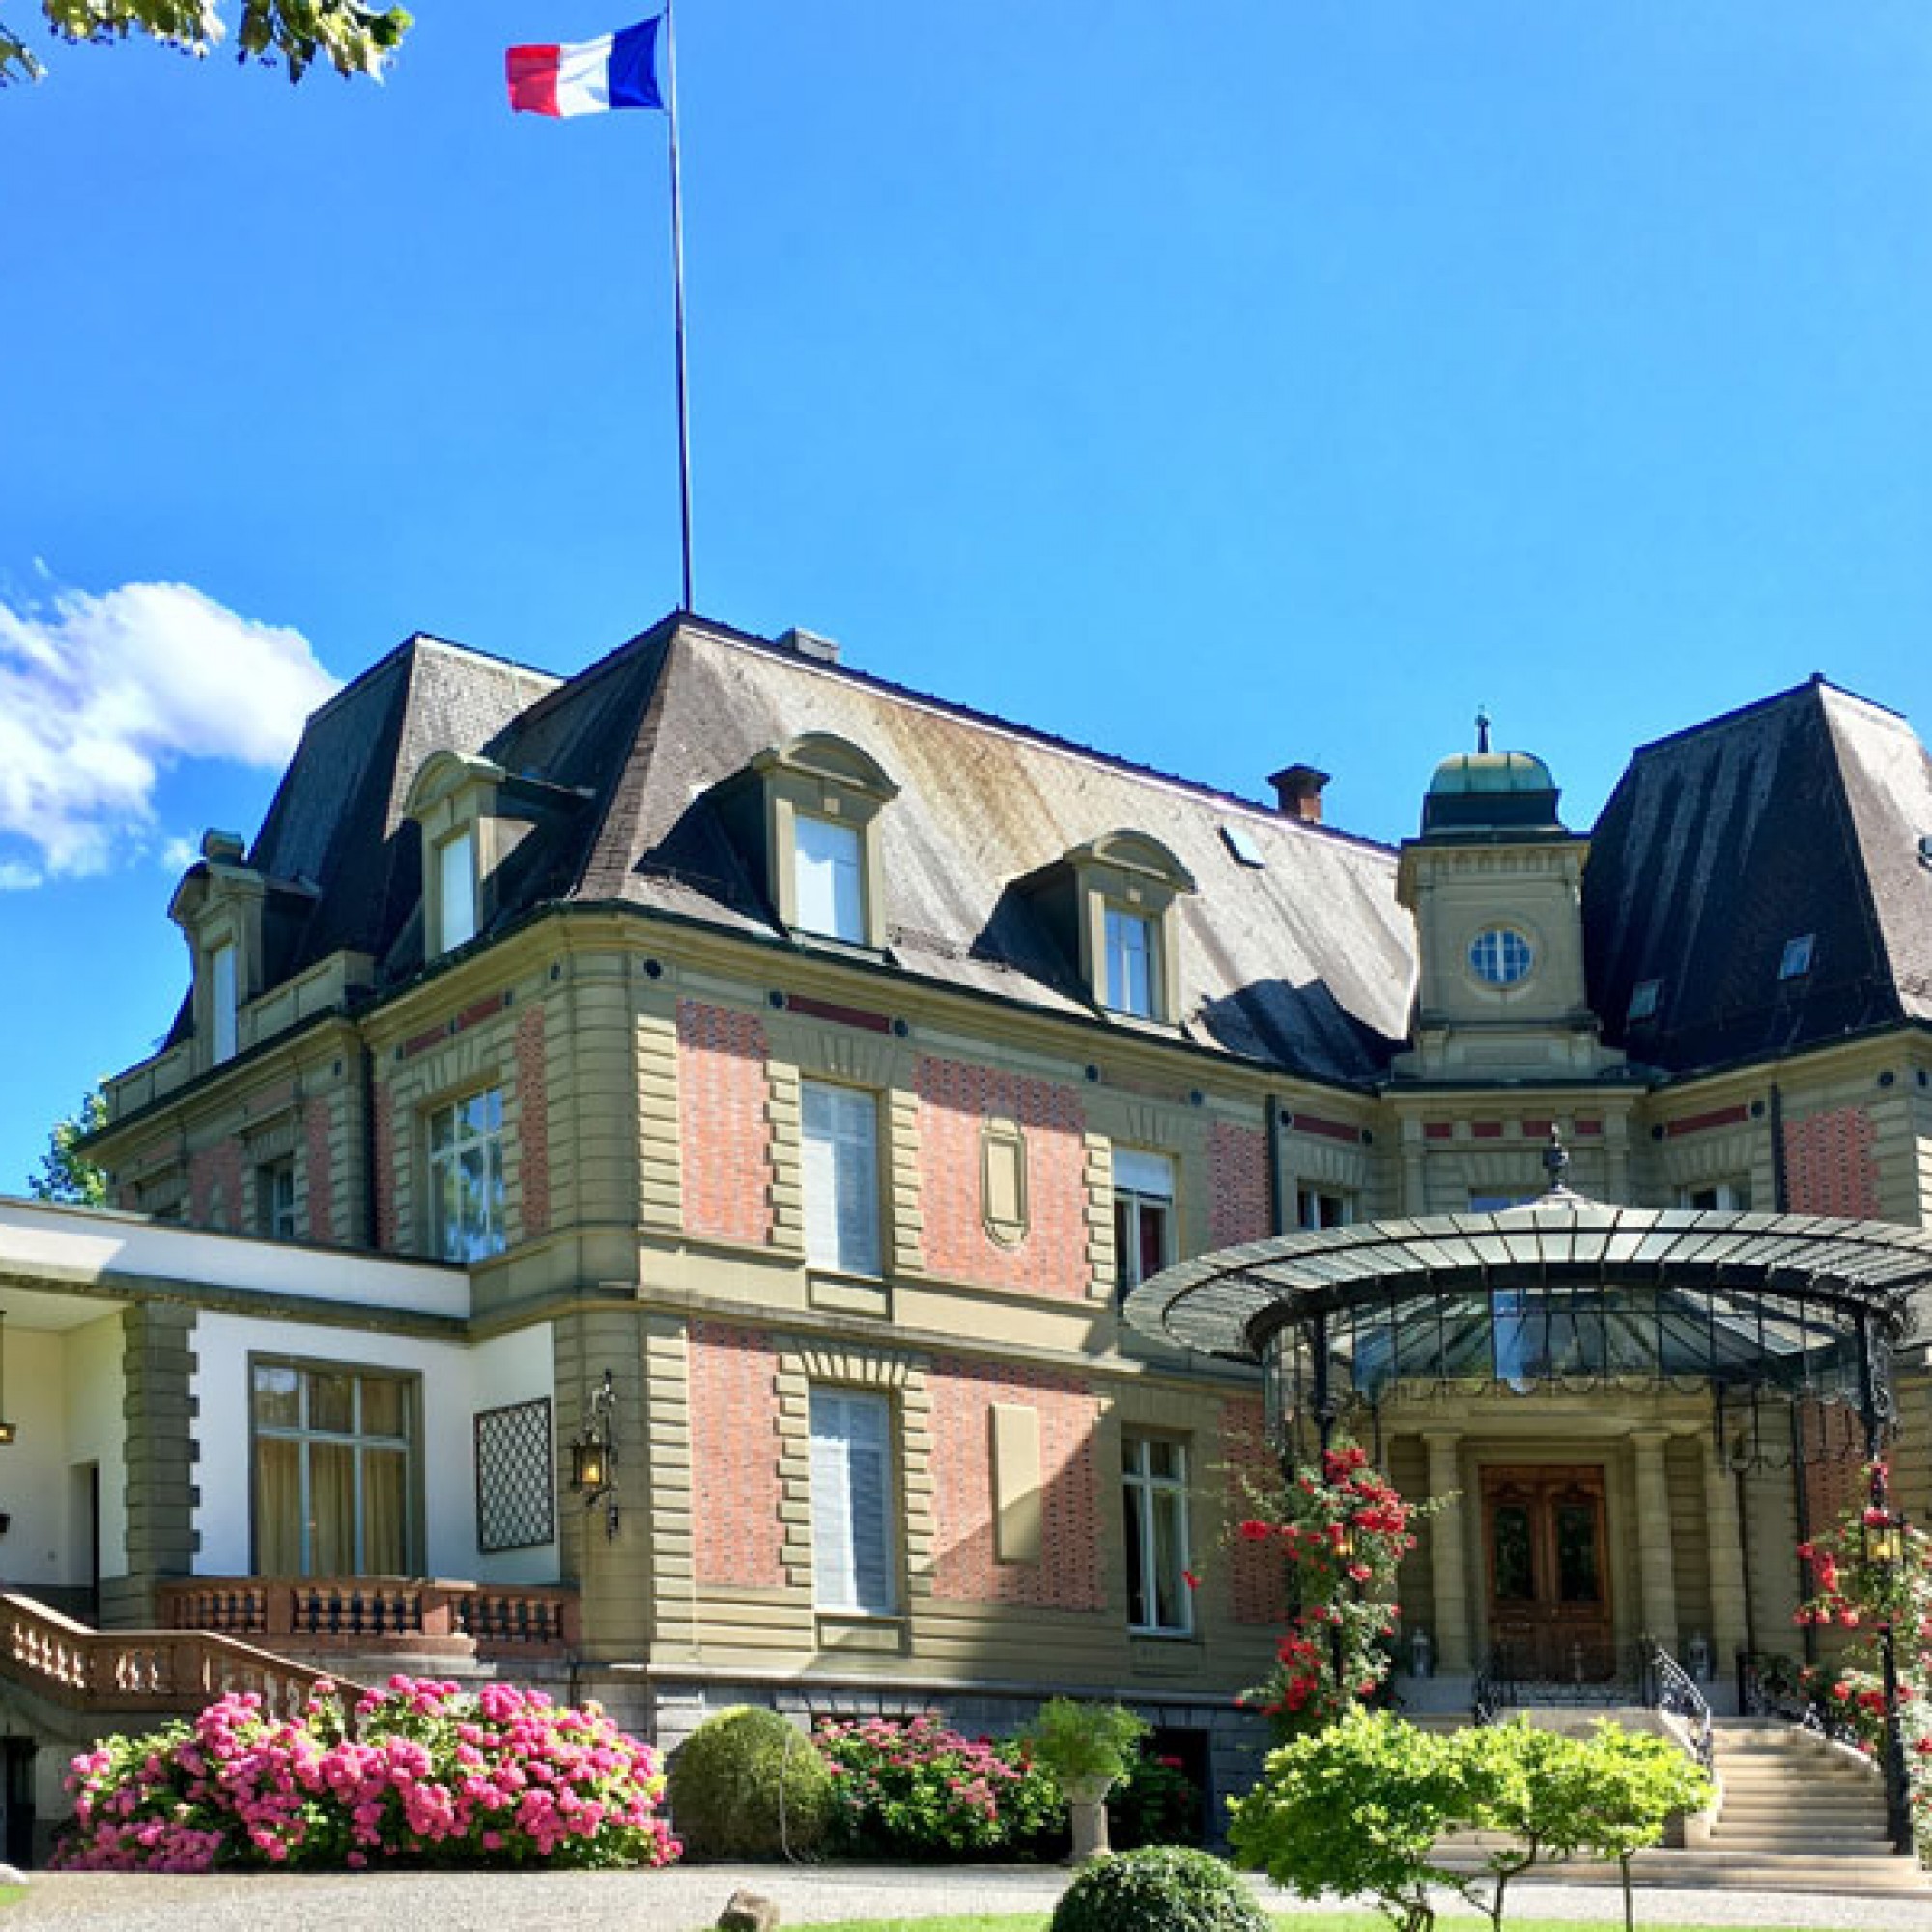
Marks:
<point>621,70</point>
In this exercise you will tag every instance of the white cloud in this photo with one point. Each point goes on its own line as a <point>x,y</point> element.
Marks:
<point>98,695</point>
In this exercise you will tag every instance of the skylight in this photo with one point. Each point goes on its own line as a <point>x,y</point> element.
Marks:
<point>1240,842</point>
<point>1643,1000</point>
<point>1797,960</point>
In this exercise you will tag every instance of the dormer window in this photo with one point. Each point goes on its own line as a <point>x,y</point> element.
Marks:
<point>1797,960</point>
<point>456,869</point>
<point>223,1000</point>
<point>829,878</point>
<point>1643,999</point>
<point>1133,956</point>
<point>805,815</point>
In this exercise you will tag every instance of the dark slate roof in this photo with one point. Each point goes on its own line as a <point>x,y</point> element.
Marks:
<point>1305,962</point>
<point>1799,815</point>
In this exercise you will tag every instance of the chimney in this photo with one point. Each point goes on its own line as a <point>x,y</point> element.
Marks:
<point>1297,792</point>
<point>810,644</point>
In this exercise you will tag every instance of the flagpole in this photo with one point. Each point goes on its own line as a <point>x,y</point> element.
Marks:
<point>677,283</point>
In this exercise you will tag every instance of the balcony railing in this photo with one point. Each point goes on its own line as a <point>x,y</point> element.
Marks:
<point>372,1614</point>
<point>173,1670</point>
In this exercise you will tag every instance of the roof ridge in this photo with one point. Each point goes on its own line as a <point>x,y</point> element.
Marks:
<point>1816,686</point>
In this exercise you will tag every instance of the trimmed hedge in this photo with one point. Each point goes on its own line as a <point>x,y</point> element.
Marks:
<point>1158,1889</point>
<point>745,1784</point>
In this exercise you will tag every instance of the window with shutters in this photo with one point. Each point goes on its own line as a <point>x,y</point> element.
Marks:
<point>1153,1482</point>
<point>853,1566</point>
<point>1143,1216</point>
<point>841,1178</point>
<point>829,878</point>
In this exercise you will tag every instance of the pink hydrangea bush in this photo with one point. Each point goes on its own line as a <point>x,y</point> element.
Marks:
<point>432,1774</point>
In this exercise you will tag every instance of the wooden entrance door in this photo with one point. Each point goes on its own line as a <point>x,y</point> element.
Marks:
<point>1548,1579</point>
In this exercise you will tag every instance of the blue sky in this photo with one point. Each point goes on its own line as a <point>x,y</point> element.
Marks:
<point>1259,382</point>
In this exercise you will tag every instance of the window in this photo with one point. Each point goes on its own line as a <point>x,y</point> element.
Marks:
<point>831,878</point>
<point>1643,1000</point>
<point>841,1178</point>
<point>1143,1216</point>
<point>223,994</point>
<point>456,869</point>
<point>275,1200</point>
<point>466,1177</point>
<point>1323,1207</point>
<point>1724,1197</point>
<point>1154,1481</point>
<point>1797,960</point>
<point>1130,986</point>
<point>1500,955</point>
<point>333,1470</point>
<point>852,1539</point>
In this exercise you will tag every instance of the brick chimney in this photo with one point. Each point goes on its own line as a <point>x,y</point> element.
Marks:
<point>1297,792</point>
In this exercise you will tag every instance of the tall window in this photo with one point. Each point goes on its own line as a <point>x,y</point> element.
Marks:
<point>1143,1216</point>
<point>276,1199</point>
<point>852,1538</point>
<point>456,869</point>
<point>333,1470</point>
<point>1154,1481</point>
<point>841,1178</point>
<point>1131,963</point>
<point>1323,1207</point>
<point>830,879</point>
<point>223,994</point>
<point>466,1177</point>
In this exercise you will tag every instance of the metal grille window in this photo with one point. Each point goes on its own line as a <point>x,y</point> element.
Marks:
<point>466,1177</point>
<point>334,1470</point>
<point>516,1486</point>
<point>1153,1482</point>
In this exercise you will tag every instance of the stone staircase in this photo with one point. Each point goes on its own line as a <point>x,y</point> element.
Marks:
<point>1798,1814</point>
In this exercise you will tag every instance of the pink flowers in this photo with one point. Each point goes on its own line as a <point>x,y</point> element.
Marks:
<point>436,1776</point>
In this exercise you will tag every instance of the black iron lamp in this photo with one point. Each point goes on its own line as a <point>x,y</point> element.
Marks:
<point>593,1453</point>
<point>1885,1541</point>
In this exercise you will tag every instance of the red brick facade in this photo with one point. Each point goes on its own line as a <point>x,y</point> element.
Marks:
<point>532,1124</point>
<point>725,1134</point>
<point>318,1171</point>
<point>1068,1576</point>
<point>214,1182</point>
<point>1257,1578</point>
<point>734,1456</point>
<point>1830,1167</point>
<point>956,1100</point>
<point>1237,1170</point>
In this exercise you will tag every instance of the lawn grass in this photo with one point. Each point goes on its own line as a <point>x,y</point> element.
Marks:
<point>1288,1922</point>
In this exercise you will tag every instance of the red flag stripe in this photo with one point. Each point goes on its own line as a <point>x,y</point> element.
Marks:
<point>532,76</point>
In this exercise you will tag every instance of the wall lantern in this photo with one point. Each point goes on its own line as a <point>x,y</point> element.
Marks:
<point>594,1454</point>
<point>7,1430</point>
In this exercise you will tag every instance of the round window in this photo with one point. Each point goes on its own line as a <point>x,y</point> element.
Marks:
<point>1501,955</point>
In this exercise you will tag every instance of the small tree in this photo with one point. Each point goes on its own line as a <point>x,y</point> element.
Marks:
<point>66,1173</point>
<point>1343,1530</point>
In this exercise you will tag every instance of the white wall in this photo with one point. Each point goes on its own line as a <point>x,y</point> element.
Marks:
<point>458,1379</point>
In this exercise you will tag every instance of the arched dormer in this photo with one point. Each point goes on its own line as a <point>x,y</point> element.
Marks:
<point>806,813</point>
<point>454,801</point>
<point>1112,904</point>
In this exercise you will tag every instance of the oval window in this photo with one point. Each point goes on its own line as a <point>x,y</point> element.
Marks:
<point>1500,955</point>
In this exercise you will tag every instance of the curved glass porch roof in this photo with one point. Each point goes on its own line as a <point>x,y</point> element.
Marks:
<point>1564,1293</point>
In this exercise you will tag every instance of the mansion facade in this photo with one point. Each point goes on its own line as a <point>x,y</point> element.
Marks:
<point>647,1177</point>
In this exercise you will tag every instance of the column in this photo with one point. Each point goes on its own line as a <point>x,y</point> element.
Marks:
<point>1656,1567</point>
<point>1730,1622</point>
<point>1449,1572</point>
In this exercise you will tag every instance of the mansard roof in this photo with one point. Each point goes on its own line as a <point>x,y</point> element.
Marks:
<point>1303,960</point>
<point>1797,817</point>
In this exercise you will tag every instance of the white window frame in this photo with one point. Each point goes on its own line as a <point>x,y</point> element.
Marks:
<point>839,1159</point>
<point>1144,1185</point>
<point>1133,941</point>
<point>224,999</point>
<point>1146,1495</point>
<point>456,890</point>
<point>828,877</point>
<point>853,1503</point>
<point>448,1166</point>
<point>1729,1196</point>
<point>1309,1211</point>
<point>276,1199</point>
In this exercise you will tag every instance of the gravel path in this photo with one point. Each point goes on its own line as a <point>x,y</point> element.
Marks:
<point>686,1898</point>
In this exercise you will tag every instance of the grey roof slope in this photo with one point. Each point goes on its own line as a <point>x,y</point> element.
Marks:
<point>1798,814</point>
<point>1305,963</point>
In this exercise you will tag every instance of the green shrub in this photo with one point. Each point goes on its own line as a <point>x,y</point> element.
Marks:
<point>745,1784</point>
<point>1157,1804</point>
<point>1158,1888</point>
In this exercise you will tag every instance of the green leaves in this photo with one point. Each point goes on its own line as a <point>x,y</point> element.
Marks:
<point>66,1173</point>
<point>349,36</point>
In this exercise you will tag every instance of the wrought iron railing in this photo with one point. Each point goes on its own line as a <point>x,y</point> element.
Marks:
<point>1495,1690</point>
<point>1670,1688</point>
<point>1773,1686</point>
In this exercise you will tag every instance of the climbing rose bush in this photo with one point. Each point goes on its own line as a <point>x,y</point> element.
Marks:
<point>920,1790</point>
<point>432,1776</point>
